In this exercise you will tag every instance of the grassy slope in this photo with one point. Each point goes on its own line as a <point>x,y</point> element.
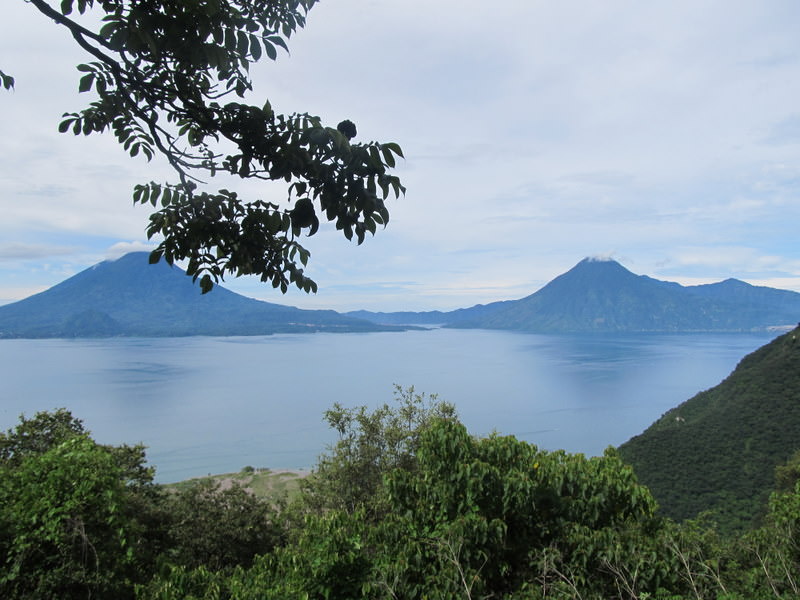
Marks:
<point>263,483</point>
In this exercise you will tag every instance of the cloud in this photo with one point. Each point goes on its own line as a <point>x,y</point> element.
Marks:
<point>720,262</point>
<point>787,131</point>
<point>535,135</point>
<point>9,294</point>
<point>122,248</point>
<point>601,257</point>
<point>600,178</point>
<point>48,190</point>
<point>16,252</point>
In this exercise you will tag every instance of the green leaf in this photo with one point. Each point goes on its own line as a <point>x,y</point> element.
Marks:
<point>86,83</point>
<point>142,194</point>
<point>66,7</point>
<point>374,157</point>
<point>230,39</point>
<point>278,41</point>
<point>391,146</point>
<point>270,50</point>
<point>387,157</point>
<point>304,254</point>
<point>6,80</point>
<point>155,192</point>
<point>255,47</point>
<point>244,43</point>
<point>108,30</point>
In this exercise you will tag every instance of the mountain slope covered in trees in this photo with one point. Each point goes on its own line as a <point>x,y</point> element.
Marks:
<point>718,451</point>
<point>129,296</point>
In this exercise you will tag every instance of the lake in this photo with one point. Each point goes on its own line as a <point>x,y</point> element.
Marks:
<point>212,405</point>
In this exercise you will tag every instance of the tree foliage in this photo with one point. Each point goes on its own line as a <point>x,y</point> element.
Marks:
<point>371,444</point>
<point>787,475</point>
<point>77,518</point>
<point>80,519</point>
<point>37,435</point>
<point>743,428</point>
<point>66,532</point>
<point>443,515</point>
<point>220,528</point>
<point>499,518</point>
<point>170,78</point>
<point>472,518</point>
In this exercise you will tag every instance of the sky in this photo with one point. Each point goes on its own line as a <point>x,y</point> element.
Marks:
<point>663,134</point>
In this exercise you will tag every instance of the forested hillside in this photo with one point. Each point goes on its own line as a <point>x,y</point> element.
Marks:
<point>718,451</point>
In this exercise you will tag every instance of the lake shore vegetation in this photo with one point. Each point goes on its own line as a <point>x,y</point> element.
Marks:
<point>407,504</point>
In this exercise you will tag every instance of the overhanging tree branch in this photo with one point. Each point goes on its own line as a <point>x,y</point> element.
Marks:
<point>163,67</point>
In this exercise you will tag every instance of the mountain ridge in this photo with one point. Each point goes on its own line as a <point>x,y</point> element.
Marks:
<point>126,297</point>
<point>130,297</point>
<point>602,296</point>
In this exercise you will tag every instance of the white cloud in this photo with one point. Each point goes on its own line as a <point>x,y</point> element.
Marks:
<point>122,248</point>
<point>19,252</point>
<point>9,294</point>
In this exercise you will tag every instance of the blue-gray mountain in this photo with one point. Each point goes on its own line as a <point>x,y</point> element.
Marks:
<point>130,297</point>
<point>603,296</point>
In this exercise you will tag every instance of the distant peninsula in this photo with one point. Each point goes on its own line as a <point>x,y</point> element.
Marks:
<point>603,296</point>
<point>130,297</point>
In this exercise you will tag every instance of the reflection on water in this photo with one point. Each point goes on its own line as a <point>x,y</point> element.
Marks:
<point>206,405</point>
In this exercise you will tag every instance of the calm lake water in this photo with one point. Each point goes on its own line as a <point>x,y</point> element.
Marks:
<point>212,405</point>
